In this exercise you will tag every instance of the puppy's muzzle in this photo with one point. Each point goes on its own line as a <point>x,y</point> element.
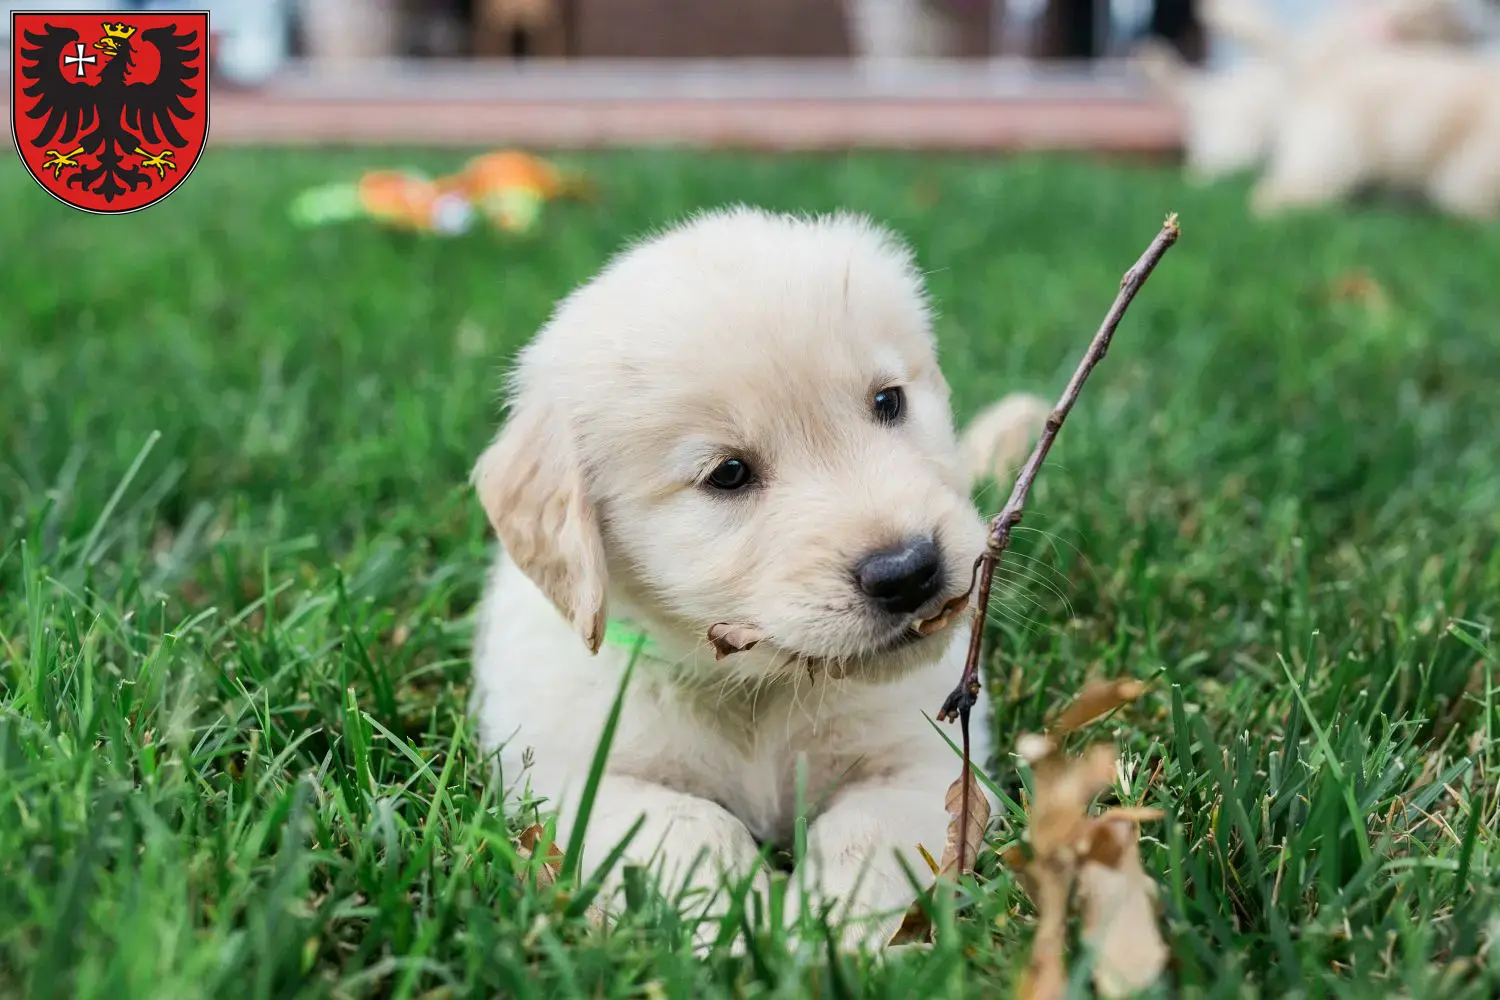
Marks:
<point>903,578</point>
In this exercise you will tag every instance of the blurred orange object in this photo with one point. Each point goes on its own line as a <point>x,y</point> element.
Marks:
<point>413,202</point>
<point>509,187</point>
<point>511,169</point>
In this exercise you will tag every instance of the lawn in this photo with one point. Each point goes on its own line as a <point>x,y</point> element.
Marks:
<point>239,558</point>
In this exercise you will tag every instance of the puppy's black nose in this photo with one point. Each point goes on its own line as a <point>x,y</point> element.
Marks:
<point>902,578</point>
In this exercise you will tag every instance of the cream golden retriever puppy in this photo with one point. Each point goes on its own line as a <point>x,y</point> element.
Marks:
<point>738,422</point>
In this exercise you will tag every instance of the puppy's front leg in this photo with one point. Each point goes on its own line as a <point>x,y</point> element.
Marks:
<point>679,831</point>
<point>853,847</point>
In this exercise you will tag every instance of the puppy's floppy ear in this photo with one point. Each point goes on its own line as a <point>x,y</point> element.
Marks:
<point>532,487</point>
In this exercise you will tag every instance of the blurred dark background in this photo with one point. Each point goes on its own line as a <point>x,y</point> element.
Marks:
<point>256,37</point>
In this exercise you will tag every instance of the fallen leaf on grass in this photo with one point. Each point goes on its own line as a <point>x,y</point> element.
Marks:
<point>1096,700</point>
<point>1118,900</point>
<point>1064,788</point>
<point>1099,853</point>
<point>551,867</point>
<point>925,192</point>
<point>1047,881</point>
<point>548,870</point>
<point>1358,290</point>
<point>1067,848</point>
<point>1058,821</point>
<point>1361,287</point>
<point>973,835</point>
<point>916,926</point>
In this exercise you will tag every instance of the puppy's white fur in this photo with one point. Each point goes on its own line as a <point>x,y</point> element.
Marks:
<point>760,336</point>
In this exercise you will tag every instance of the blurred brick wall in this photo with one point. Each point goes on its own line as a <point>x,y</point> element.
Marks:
<point>707,29</point>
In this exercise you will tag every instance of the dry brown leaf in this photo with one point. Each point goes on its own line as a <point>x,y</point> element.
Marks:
<point>728,639</point>
<point>1032,747</point>
<point>1046,976</point>
<point>944,617</point>
<point>1059,814</point>
<point>1118,900</point>
<point>1097,699</point>
<point>1064,788</point>
<point>925,192</point>
<point>548,870</point>
<point>979,821</point>
<point>1098,853</point>
<point>1360,287</point>
<point>1133,814</point>
<point>915,925</point>
<point>916,928</point>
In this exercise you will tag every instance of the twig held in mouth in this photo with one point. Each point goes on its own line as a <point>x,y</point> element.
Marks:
<point>964,697</point>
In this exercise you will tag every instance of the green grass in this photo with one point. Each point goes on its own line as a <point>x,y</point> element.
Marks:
<point>239,557</point>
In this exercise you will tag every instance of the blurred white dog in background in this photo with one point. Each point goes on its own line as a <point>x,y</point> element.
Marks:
<point>1388,94</point>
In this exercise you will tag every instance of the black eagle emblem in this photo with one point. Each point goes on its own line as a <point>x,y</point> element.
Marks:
<point>112,119</point>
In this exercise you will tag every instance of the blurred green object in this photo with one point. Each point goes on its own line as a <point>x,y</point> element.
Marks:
<point>516,210</point>
<point>331,203</point>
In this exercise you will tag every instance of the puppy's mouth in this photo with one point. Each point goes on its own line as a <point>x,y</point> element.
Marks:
<point>728,639</point>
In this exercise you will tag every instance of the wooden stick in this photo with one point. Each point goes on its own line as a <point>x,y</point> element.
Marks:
<point>964,697</point>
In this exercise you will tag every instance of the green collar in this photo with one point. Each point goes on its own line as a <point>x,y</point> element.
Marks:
<point>629,636</point>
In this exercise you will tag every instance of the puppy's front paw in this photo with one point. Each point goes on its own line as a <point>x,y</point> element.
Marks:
<point>862,912</point>
<point>855,852</point>
<point>690,849</point>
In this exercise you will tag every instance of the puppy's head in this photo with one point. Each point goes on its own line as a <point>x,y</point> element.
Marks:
<point>742,421</point>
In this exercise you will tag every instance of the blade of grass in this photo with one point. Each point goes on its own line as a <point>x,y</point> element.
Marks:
<point>573,858</point>
<point>87,555</point>
<point>1361,833</point>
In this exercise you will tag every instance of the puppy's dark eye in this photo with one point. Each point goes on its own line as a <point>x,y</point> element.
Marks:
<point>730,474</point>
<point>888,404</point>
